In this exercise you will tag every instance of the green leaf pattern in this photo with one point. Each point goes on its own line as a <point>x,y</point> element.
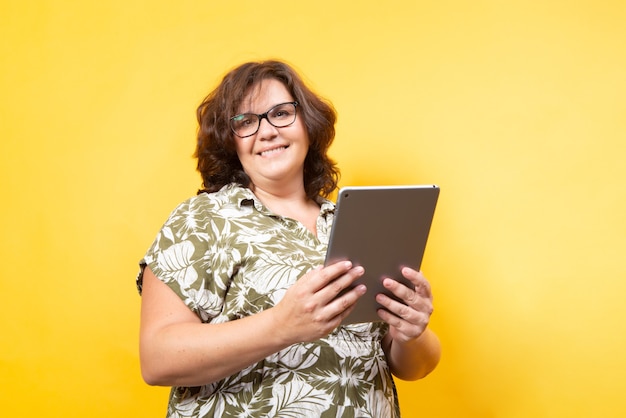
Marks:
<point>227,256</point>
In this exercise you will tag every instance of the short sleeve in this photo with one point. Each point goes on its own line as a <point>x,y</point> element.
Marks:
<point>180,257</point>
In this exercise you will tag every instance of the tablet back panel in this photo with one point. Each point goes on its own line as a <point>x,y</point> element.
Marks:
<point>382,228</point>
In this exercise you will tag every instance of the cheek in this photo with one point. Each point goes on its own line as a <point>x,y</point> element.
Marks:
<point>304,133</point>
<point>242,148</point>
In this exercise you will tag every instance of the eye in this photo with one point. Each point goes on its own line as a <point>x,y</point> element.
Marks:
<point>283,111</point>
<point>241,121</point>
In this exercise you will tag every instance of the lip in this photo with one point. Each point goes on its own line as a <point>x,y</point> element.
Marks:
<point>263,152</point>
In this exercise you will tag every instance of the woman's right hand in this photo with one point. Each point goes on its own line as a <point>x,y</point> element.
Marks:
<point>312,307</point>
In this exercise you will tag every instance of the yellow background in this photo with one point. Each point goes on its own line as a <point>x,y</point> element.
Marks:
<point>516,109</point>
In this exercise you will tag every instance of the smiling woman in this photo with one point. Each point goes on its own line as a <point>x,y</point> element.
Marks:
<point>234,295</point>
<point>217,157</point>
<point>273,157</point>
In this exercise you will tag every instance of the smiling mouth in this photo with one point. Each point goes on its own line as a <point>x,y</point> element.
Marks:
<point>272,151</point>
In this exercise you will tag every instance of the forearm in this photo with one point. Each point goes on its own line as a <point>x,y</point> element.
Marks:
<point>176,349</point>
<point>414,359</point>
<point>194,354</point>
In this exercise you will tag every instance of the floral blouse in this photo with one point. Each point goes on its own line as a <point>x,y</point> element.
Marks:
<point>227,256</point>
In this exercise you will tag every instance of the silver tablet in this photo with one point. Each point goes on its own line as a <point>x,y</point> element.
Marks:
<point>382,228</point>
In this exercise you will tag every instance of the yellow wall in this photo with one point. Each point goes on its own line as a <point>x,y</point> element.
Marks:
<point>516,109</point>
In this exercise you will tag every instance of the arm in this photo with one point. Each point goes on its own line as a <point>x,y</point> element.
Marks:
<point>415,359</point>
<point>177,349</point>
<point>412,349</point>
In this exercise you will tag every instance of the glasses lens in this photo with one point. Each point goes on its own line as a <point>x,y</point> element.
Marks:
<point>245,124</point>
<point>282,115</point>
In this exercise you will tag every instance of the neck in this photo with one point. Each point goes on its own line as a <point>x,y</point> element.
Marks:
<point>289,188</point>
<point>281,197</point>
<point>295,205</point>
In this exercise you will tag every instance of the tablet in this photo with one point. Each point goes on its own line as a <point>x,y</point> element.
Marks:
<point>382,228</point>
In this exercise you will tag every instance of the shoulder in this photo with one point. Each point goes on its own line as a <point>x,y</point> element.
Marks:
<point>199,220</point>
<point>209,205</point>
<point>327,208</point>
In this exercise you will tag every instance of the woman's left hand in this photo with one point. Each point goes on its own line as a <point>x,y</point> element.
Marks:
<point>409,320</point>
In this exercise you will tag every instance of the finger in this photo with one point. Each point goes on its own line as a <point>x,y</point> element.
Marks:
<point>321,276</point>
<point>409,295</point>
<point>413,276</point>
<point>393,320</point>
<point>422,286</point>
<point>410,312</point>
<point>341,283</point>
<point>410,322</point>
<point>340,307</point>
<point>405,328</point>
<point>397,308</point>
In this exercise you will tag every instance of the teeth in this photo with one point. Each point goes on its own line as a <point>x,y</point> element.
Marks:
<point>273,150</point>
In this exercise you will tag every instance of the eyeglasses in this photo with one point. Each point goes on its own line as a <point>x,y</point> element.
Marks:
<point>279,116</point>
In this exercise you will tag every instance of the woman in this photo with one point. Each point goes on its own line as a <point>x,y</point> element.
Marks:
<point>237,315</point>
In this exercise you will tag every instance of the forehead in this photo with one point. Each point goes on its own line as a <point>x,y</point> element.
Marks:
<point>263,95</point>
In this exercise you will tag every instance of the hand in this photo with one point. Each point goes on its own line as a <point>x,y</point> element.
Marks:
<point>407,321</point>
<point>311,307</point>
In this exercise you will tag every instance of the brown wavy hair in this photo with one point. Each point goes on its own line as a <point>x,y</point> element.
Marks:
<point>218,162</point>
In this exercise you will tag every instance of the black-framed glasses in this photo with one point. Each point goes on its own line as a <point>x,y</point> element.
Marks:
<point>279,116</point>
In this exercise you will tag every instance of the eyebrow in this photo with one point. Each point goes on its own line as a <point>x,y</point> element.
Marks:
<point>249,112</point>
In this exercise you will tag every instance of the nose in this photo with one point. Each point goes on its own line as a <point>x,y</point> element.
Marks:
<point>266,129</point>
